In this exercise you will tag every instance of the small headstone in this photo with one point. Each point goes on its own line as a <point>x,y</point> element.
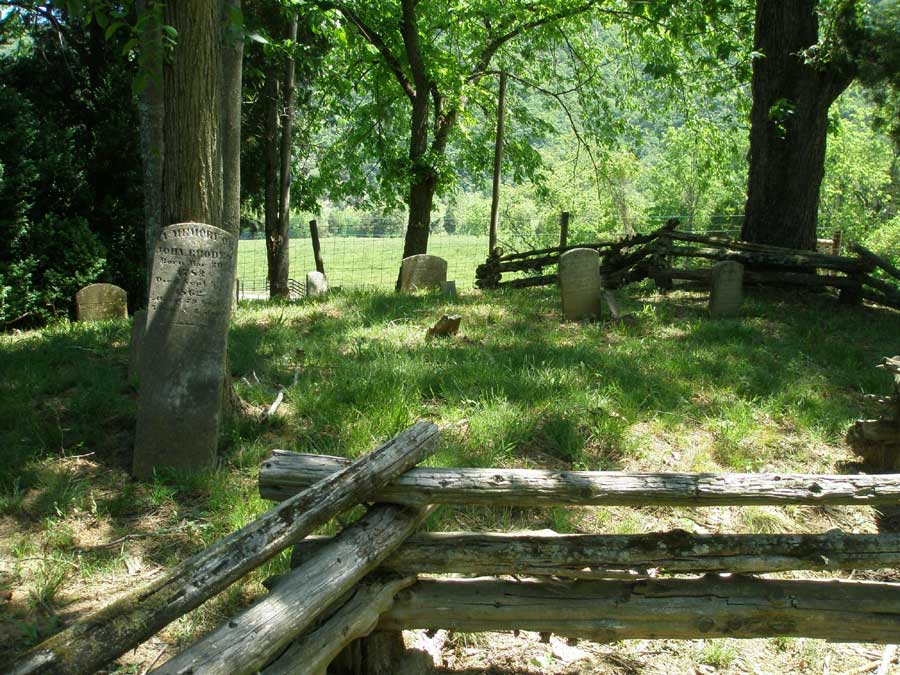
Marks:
<point>726,289</point>
<point>138,327</point>
<point>182,360</point>
<point>422,272</point>
<point>579,284</point>
<point>448,288</point>
<point>316,284</point>
<point>101,301</point>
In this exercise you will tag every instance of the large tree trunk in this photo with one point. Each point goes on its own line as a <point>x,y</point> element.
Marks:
<point>788,125</point>
<point>192,167</point>
<point>423,181</point>
<point>232,61</point>
<point>150,113</point>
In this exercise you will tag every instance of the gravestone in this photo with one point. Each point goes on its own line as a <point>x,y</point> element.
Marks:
<point>579,284</point>
<point>422,272</point>
<point>448,288</point>
<point>101,301</point>
<point>316,284</point>
<point>182,360</point>
<point>138,327</point>
<point>726,289</point>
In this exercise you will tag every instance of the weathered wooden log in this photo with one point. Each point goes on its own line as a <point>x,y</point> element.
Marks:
<point>890,291</point>
<point>587,556</point>
<point>876,260</point>
<point>110,632</point>
<point>287,472</point>
<point>879,298</point>
<point>528,282</point>
<point>793,260</point>
<point>252,638</point>
<point>607,611</point>
<point>772,278</point>
<point>314,650</point>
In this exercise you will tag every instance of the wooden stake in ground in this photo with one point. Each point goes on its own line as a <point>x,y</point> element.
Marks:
<point>95,640</point>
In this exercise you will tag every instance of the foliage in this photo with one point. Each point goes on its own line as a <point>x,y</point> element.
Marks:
<point>70,202</point>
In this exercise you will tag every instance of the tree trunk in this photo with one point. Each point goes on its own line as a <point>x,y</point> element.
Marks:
<point>150,112</point>
<point>498,165</point>
<point>276,261</point>
<point>192,167</point>
<point>423,181</point>
<point>232,61</point>
<point>788,125</point>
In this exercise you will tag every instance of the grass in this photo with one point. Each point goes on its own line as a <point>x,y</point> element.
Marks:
<point>675,391</point>
<point>363,261</point>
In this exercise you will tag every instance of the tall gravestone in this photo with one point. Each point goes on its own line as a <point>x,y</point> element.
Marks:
<point>101,301</point>
<point>422,272</point>
<point>182,357</point>
<point>726,289</point>
<point>579,284</point>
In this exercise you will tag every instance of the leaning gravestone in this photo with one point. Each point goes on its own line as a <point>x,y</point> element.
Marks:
<point>726,289</point>
<point>316,284</point>
<point>422,272</point>
<point>182,361</point>
<point>101,301</point>
<point>579,284</point>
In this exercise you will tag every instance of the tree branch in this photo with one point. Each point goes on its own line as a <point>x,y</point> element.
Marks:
<point>374,39</point>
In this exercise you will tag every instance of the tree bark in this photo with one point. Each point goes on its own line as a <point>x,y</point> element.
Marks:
<point>232,79</point>
<point>603,556</point>
<point>249,640</point>
<point>788,125</point>
<point>192,166</point>
<point>607,611</point>
<point>498,165</point>
<point>278,284</point>
<point>108,633</point>
<point>286,473</point>
<point>151,111</point>
<point>276,261</point>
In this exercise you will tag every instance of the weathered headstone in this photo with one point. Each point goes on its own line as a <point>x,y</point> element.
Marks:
<point>448,288</point>
<point>316,284</point>
<point>422,272</point>
<point>101,301</point>
<point>579,284</point>
<point>726,289</point>
<point>138,328</point>
<point>182,361</point>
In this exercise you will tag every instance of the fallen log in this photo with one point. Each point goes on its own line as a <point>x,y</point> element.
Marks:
<point>737,245</point>
<point>251,639</point>
<point>285,473</point>
<point>767,278</point>
<point>876,260</point>
<point>793,259</point>
<point>587,556</point>
<point>879,285</point>
<point>880,298</point>
<point>607,611</point>
<point>528,282</point>
<point>314,650</point>
<point>95,640</point>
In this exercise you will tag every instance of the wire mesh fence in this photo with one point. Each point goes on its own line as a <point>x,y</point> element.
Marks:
<point>367,253</point>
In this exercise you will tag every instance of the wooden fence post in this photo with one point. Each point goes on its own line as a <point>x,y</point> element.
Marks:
<point>564,228</point>
<point>317,251</point>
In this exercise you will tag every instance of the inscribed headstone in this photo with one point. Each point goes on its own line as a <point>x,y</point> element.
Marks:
<point>138,327</point>
<point>101,301</point>
<point>422,272</point>
<point>448,288</point>
<point>726,289</point>
<point>182,366</point>
<point>316,284</point>
<point>579,284</point>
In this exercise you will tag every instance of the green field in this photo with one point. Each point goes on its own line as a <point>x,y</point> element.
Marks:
<point>362,261</point>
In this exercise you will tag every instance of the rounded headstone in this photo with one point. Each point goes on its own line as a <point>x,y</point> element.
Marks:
<point>422,272</point>
<point>98,302</point>
<point>316,284</point>
<point>579,284</point>
<point>726,289</point>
